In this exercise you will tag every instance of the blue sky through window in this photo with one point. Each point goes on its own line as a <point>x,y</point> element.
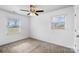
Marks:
<point>12,22</point>
<point>58,19</point>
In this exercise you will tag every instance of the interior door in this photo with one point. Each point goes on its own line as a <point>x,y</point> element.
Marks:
<point>76,27</point>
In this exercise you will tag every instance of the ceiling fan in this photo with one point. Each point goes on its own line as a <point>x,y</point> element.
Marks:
<point>32,11</point>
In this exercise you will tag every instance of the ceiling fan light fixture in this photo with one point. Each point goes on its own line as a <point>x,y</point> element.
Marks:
<point>32,14</point>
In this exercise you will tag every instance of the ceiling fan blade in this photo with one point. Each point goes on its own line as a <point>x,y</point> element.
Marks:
<point>28,14</point>
<point>39,10</point>
<point>25,10</point>
<point>36,14</point>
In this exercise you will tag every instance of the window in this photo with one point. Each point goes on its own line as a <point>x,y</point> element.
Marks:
<point>58,22</point>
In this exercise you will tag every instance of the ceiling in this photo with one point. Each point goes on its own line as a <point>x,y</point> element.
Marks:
<point>46,8</point>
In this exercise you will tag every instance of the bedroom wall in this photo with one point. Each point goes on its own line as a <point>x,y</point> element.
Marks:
<point>7,38</point>
<point>41,28</point>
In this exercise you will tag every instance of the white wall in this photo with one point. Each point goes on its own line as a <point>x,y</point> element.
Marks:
<point>4,38</point>
<point>41,28</point>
